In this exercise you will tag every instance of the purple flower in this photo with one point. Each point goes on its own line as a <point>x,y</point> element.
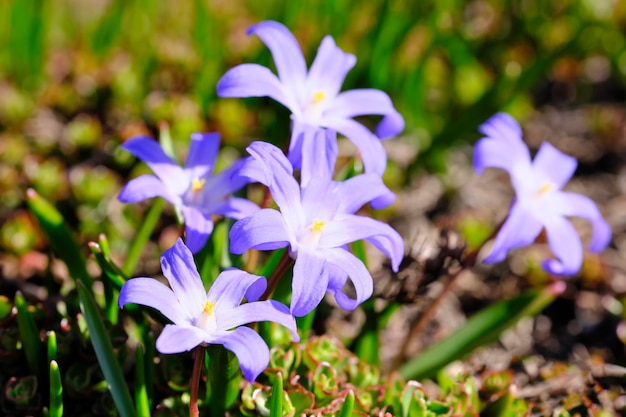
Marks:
<point>315,100</point>
<point>317,223</point>
<point>539,201</point>
<point>209,318</point>
<point>193,189</point>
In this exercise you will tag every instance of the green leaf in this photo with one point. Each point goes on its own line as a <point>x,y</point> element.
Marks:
<point>29,334</point>
<point>56,391</point>
<point>60,236</point>
<point>52,345</point>
<point>348,405</point>
<point>143,235</point>
<point>141,393</point>
<point>276,400</point>
<point>482,328</point>
<point>105,354</point>
<point>224,379</point>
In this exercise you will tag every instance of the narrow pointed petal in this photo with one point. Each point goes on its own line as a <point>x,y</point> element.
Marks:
<point>363,102</point>
<point>554,165</point>
<point>203,151</point>
<point>269,310</point>
<point>565,245</point>
<point>320,199</point>
<point>310,280</point>
<point>250,349</point>
<point>177,339</point>
<point>279,178</point>
<point>285,50</point>
<point>570,204</point>
<point>150,152</point>
<point>180,270</point>
<point>264,230</point>
<point>503,126</point>
<point>348,228</point>
<point>198,228</point>
<point>329,68</point>
<point>151,293</point>
<point>236,208</point>
<point>372,151</point>
<point>252,80</point>
<point>520,229</point>
<point>231,179</point>
<point>357,191</point>
<point>231,286</point>
<point>319,153</point>
<point>144,187</point>
<point>358,274</point>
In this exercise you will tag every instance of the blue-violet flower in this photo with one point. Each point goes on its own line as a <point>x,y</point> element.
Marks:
<point>317,223</point>
<point>209,318</point>
<point>540,203</point>
<point>193,189</point>
<point>318,108</point>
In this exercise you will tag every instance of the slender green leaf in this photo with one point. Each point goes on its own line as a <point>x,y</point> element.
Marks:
<point>29,334</point>
<point>60,236</point>
<point>482,328</point>
<point>348,405</point>
<point>111,271</point>
<point>105,354</point>
<point>143,235</point>
<point>276,400</point>
<point>224,378</point>
<point>52,345</point>
<point>141,393</point>
<point>56,391</point>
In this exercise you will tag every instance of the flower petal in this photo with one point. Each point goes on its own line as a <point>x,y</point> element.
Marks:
<point>269,310</point>
<point>372,151</point>
<point>278,174</point>
<point>230,286</point>
<point>520,229</point>
<point>554,165</point>
<point>358,274</point>
<point>571,204</point>
<point>362,102</point>
<point>198,228</point>
<point>180,270</point>
<point>329,68</point>
<point>250,349</point>
<point>252,80</point>
<point>203,151</point>
<point>144,187</point>
<point>264,230</point>
<point>176,339</point>
<point>348,228</point>
<point>566,246</point>
<point>357,191</point>
<point>285,50</point>
<point>151,293</point>
<point>150,152</point>
<point>310,280</point>
<point>503,126</point>
<point>320,200</point>
<point>319,153</point>
<point>236,208</point>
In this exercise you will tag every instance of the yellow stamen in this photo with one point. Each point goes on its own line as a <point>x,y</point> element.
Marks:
<point>546,188</point>
<point>197,185</point>
<point>318,97</point>
<point>318,226</point>
<point>208,308</point>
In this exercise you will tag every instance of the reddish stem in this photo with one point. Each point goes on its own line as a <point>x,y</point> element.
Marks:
<point>195,382</point>
<point>283,264</point>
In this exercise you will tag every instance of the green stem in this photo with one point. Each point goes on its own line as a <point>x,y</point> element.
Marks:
<point>195,382</point>
<point>143,235</point>
<point>283,264</point>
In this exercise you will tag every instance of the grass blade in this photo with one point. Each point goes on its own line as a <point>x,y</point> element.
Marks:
<point>29,334</point>
<point>348,405</point>
<point>141,393</point>
<point>276,400</point>
<point>482,328</point>
<point>105,354</point>
<point>56,391</point>
<point>143,235</point>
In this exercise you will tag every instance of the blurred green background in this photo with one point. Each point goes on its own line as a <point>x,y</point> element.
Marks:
<point>78,77</point>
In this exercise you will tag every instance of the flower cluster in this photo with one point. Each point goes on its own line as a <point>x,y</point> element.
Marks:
<point>316,221</point>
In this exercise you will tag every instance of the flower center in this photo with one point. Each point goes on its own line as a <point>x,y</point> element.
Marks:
<point>197,184</point>
<point>545,189</point>
<point>313,108</point>
<point>318,97</point>
<point>206,320</point>
<point>310,236</point>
